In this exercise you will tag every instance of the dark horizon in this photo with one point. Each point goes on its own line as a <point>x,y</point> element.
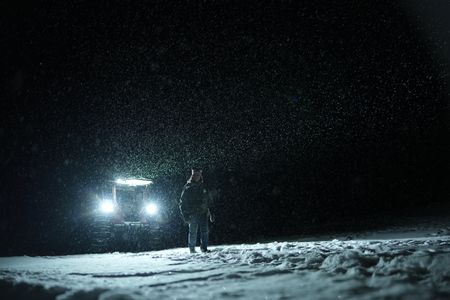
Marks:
<point>301,114</point>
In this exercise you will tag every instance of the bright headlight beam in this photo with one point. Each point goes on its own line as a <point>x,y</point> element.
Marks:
<point>151,209</point>
<point>134,182</point>
<point>107,206</point>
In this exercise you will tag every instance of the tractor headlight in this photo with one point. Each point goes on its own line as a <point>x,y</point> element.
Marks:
<point>151,209</point>
<point>107,206</point>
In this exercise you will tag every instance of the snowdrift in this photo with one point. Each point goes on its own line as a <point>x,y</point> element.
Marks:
<point>402,268</point>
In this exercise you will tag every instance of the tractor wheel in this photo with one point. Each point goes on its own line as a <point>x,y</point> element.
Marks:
<point>101,234</point>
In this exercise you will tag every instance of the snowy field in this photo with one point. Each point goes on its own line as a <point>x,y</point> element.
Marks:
<point>385,265</point>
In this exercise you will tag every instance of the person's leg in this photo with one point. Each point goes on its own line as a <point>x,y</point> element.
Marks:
<point>204,232</point>
<point>192,237</point>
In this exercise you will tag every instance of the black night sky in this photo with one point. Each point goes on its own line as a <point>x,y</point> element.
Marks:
<point>305,116</point>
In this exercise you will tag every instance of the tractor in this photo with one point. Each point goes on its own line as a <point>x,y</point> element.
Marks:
<point>127,217</point>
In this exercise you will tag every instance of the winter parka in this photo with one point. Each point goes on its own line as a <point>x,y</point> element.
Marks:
<point>194,200</point>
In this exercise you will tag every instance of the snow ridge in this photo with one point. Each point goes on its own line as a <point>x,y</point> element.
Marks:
<point>359,269</point>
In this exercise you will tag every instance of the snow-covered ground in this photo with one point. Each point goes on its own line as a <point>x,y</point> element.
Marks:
<point>408,264</point>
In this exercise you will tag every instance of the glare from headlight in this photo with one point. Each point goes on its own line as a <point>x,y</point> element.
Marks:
<point>151,209</point>
<point>134,182</point>
<point>107,206</point>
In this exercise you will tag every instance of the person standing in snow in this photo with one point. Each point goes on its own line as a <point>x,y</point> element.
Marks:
<point>194,206</point>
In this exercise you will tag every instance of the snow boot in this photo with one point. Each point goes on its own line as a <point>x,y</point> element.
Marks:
<point>192,250</point>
